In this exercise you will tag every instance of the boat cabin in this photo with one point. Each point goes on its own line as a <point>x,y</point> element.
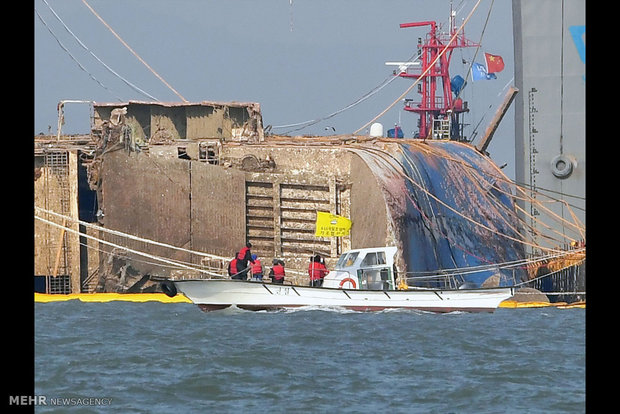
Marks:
<point>364,269</point>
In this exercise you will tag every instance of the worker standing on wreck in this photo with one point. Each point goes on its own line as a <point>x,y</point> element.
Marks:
<point>243,257</point>
<point>277,272</point>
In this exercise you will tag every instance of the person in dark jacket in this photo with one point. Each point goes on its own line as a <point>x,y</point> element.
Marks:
<point>277,272</point>
<point>243,257</point>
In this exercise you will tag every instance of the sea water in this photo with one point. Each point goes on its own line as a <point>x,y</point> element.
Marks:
<point>160,358</point>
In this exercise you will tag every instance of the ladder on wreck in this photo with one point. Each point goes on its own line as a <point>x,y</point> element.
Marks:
<point>56,164</point>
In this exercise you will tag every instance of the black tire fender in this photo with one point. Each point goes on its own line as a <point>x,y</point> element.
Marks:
<point>169,288</point>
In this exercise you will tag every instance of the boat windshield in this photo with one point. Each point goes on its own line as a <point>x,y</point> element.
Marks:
<point>374,259</point>
<point>346,260</point>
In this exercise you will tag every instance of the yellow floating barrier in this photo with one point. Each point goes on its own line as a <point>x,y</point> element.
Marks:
<point>581,305</point>
<point>110,297</point>
<point>512,304</point>
<point>45,297</point>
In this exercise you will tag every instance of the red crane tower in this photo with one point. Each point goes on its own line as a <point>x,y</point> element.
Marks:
<point>439,111</point>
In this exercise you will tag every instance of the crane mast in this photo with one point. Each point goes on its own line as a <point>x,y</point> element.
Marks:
<point>439,111</point>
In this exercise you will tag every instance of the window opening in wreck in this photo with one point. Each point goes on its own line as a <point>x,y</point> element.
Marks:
<point>207,153</point>
<point>211,156</point>
<point>87,197</point>
<point>182,153</point>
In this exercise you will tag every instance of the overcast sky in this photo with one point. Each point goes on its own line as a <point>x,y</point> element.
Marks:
<point>300,59</point>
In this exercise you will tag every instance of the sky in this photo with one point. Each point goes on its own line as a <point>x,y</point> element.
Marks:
<point>302,60</point>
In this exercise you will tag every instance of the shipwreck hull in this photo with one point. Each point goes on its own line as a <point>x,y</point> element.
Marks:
<point>450,207</point>
<point>442,203</point>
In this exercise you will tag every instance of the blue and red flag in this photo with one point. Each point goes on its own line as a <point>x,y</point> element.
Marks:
<point>479,72</point>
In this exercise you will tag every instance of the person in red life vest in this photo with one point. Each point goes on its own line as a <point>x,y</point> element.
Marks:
<point>277,272</point>
<point>316,271</point>
<point>243,257</point>
<point>257,269</point>
<point>232,268</point>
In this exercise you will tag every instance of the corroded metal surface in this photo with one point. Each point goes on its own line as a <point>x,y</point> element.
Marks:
<point>449,207</point>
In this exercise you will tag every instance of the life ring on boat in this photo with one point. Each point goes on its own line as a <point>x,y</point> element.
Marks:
<point>168,288</point>
<point>561,166</point>
<point>348,279</point>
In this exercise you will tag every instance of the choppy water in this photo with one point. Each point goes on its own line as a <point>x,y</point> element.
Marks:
<point>161,358</point>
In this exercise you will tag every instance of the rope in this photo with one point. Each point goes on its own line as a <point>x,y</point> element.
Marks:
<point>133,52</point>
<point>131,85</point>
<point>148,262</point>
<point>431,195</point>
<point>443,51</point>
<point>541,207</point>
<point>550,273</point>
<point>577,226</point>
<point>178,264</point>
<point>515,264</point>
<point>129,236</point>
<point>367,95</point>
<point>62,46</point>
<point>398,167</point>
<point>484,28</point>
<point>174,263</point>
<point>164,260</point>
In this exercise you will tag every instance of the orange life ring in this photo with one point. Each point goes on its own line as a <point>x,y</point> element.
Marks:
<point>348,279</point>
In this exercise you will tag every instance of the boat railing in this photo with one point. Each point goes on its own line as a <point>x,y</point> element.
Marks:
<point>436,281</point>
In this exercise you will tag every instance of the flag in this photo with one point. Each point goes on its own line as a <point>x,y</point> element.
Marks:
<point>495,63</point>
<point>331,225</point>
<point>478,72</point>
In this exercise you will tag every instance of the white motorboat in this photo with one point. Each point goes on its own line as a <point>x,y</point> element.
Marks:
<point>363,280</point>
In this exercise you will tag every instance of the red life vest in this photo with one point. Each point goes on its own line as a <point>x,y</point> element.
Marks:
<point>233,267</point>
<point>257,269</point>
<point>316,270</point>
<point>241,253</point>
<point>278,271</point>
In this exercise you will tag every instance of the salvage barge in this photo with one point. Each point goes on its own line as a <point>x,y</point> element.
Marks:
<point>207,179</point>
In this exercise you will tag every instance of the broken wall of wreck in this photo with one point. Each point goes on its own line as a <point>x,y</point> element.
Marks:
<point>56,250</point>
<point>149,198</point>
<point>192,205</point>
<point>215,208</point>
<point>157,123</point>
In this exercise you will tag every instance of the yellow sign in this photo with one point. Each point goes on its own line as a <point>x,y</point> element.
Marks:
<point>331,225</point>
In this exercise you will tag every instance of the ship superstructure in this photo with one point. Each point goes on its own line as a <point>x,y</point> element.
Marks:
<point>440,106</point>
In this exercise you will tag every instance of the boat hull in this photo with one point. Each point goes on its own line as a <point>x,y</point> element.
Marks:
<point>219,294</point>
